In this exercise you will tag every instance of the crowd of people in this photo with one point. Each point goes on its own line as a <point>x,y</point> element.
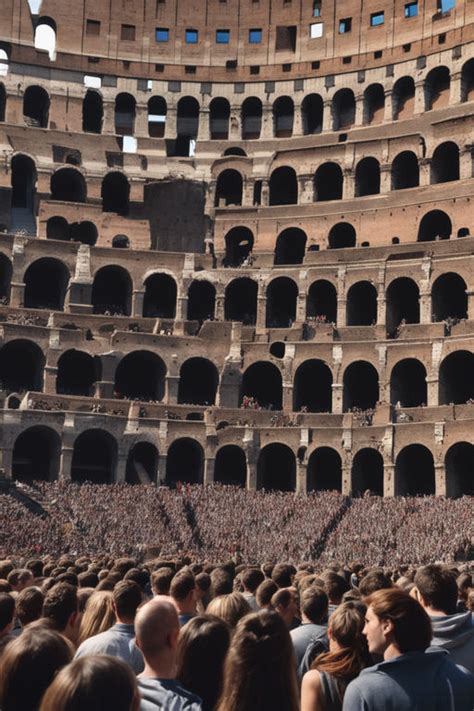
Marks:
<point>102,632</point>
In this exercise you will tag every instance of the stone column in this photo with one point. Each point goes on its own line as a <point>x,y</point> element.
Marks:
<point>261,311</point>
<point>432,387</point>
<point>425,169</point>
<point>267,123</point>
<point>141,121</point>
<point>161,473</point>
<point>327,116</point>
<point>465,162</point>
<point>265,201</point>
<point>388,111</point>
<point>219,314</point>
<point>346,479</point>
<point>252,475</point>
<point>381,308</point>
<point>470,305</point>
<point>337,398</point>
<point>287,397</point>
<point>455,89</point>
<point>17,293</point>
<point>388,479</point>
<point>349,184</point>
<point>171,125</point>
<point>137,302</point>
<point>171,389</point>
<point>306,189</point>
<point>182,307</point>
<point>203,129</point>
<point>247,193</point>
<point>49,382</point>
<point>359,110</point>
<point>7,461</point>
<point>341,311</point>
<point>425,307</point>
<point>440,479</point>
<point>121,469</point>
<point>209,464</point>
<point>65,463</point>
<point>419,107</point>
<point>301,479</point>
<point>108,124</point>
<point>385,178</point>
<point>298,121</point>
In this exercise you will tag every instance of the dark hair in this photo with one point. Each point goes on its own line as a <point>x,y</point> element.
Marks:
<point>140,576</point>
<point>282,575</point>
<point>161,580</point>
<point>127,598</point>
<point>221,582</point>
<point>265,592</point>
<point>203,582</point>
<point>60,603</point>
<point>251,579</point>
<point>68,577</point>
<point>411,624</point>
<point>202,649</point>
<point>182,584</point>
<point>314,604</point>
<point>5,586</point>
<point>88,579</point>
<point>6,567</point>
<point>7,609</point>
<point>437,586</point>
<point>19,575</point>
<point>335,586</point>
<point>36,567</point>
<point>375,580</point>
<point>29,605</point>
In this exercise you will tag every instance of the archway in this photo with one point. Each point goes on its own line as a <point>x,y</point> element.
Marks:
<point>251,118</point>
<point>68,185</point>
<point>341,236</point>
<point>115,193</point>
<point>77,373</point>
<point>467,81</point>
<point>198,382</point>
<point>6,270</point>
<point>36,455</point>
<point>343,110</point>
<point>235,151</point>
<point>405,171</point>
<point>408,383</point>
<point>459,462</point>
<point>120,242</point>
<point>367,177</point>
<point>262,381</point>
<point>445,163</point>
<point>324,470</point>
<point>312,110</point>
<point>57,228</point>
<point>21,366</point>
<point>45,36</point>
<point>241,301</point>
<point>83,232</point>
<point>140,375</point>
<point>283,186</point>
<point>312,389</point>
<point>362,304</point>
<point>456,378</point>
<point>187,125</point>
<point>435,225</point>
<point>360,386</point>
<point>94,457</point>
<point>219,115</point>
<point>36,107</point>
<point>125,111</point>
<point>160,297</point>
<point>403,98</point>
<point>23,183</point>
<point>290,246</point>
<point>92,112</point>
<point>228,188</point>
<point>282,294</point>
<point>112,291</point>
<point>157,110</point>
<point>142,464</point>
<point>283,117</point>
<point>276,468</point>
<point>201,301</point>
<point>46,282</point>
<point>437,88</point>
<point>403,303</point>
<point>367,472</point>
<point>374,104</point>
<point>449,297</point>
<point>238,246</point>
<point>328,182</point>
<point>231,466</point>
<point>322,301</point>
<point>185,462</point>
<point>414,471</point>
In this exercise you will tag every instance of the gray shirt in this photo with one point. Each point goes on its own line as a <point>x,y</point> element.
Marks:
<point>166,694</point>
<point>118,641</point>
<point>455,633</point>
<point>303,635</point>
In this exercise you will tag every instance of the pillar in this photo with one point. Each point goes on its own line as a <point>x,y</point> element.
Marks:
<point>341,311</point>
<point>287,399</point>
<point>455,89</point>
<point>138,298</point>
<point>171,389</point>
<point>247,193</point>
<point>381,308</point>
<point>234,124</point>
<point>267,123</point>
<point>141,121</point>
<point>470,305</point>
<point>203,129</point>
<point>7,461</point>
<point>65,463</point>
<point>265,200</point>
<point>121,469</point>
<point>425,307</point>
<point>17,294</point>
<point>261,312</point>
<point>425,165</point>
<point>182,307</point>
<point>305,189</point>
<point>465,162</point>
<point>337,398</point>
<point>161,473</point>
<point>301,478</point>
<point>388,479</point>
<point>209,465</point>
<point>252,476</point>
<point>327,116</point>
<point>359,110</point>
<point>298,121</point>
<point>301,306</point>
<point>108,124</point>
<point>171,125</point>
<point>219,311</point>
<point>385,178</point>
<point>419,107</point>
<point>49,382</point>
<point>432,386</point>
<point>440,479</point>
<point>349,184</point>
<point>388,111</point>
<point>346,479</point>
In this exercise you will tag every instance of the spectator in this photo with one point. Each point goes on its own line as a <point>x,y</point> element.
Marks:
<point>335,587</point>
<point>221,582</point>
<point>99,615</point>
<point>230,608</point>
<point>61,611</point>
<point>264,594</point>
<point>7,617</point>
<point>313,628</point>
<point>203,591</point>
<point>19,579</point>
<point>374,580</point>
<point>29,605</point>
<point>464,583</point>
<point>88,579</point>
<point>285,602</point>
<point>251,579</point>
<point>183,592</point>
<point>161,581</point>
<point>283,574</point>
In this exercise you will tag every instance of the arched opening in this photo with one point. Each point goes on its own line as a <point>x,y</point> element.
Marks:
<point>414,472</point>
<point>45,36</point>
<point>3,102</point>
<point>262,382</point>
<point>140,376</point>
<point>283,186</point>
<point>290,246</point>
<point>142,464</point>
<point>6,270</point>
<point>403,98</point>
<point>374,104</point>
<point>112,291</point>
<point>36,107</point>
<point>322,301</point>
<point>157,110</point>
<point>360,386</point>
<point>459,464</point>
<point>449,297</point>
<point>341,236</point>
<point>36,455</point>
<point>445,163</point>
<point>403,303</point>
<point>125,111</point>
<point>238,246</point>
<point>231,466</point>
<point>185,462</point>
<point>251,118</point>
<point>83,232</point>
<point>23,184</point>
<point>362,304</point>
<point>68,185</point>
<point>328,182</point>
<point>456,378</point>
<point>120,242</point>
<point>234,151</point>
<point>467,81</point>
<point>115,193</point>
<point>219,114</point>
<point>367,177</point>
<point>343,110</point>
<point>241,301</point>
<point>283,117</point>
<point>437,87</point>
<point>435,225</point>
<point>201,301</point>
<point>46,282</point>
<point>408,384</point>
<point>21,366</point>
<point>312,110</point>
<point>57,228</point>
<point>312,390</point>
<point>282,294</point>
<point>405,171</point>
<point>229,188</point>
<point>187,125</point>
<point>160,297</point>
<point>198,382</point>
<point>77,373</point>
<point>324,471</point>
<point>367,472</point>
<point>276,468</point>
<point>92,112</point>
<point>94,457</point>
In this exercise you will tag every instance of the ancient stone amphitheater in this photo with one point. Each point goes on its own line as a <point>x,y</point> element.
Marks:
<point>235,243</point>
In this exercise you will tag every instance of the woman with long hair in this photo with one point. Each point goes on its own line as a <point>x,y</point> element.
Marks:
<point>99,615</point>
<point>260,669</point>
<point>324,685</point>
<point>230,608</point>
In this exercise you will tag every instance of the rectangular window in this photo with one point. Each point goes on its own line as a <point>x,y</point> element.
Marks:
<point>345,25</point>
<point>317,8</point>
<point>316,30</point>
<point>286,38</point>
<point>255,36</point>
<point>446,5</point>
<point>222,36</point>
<point>93,28</point>
<point>128,33</point>
<point>411,9</point>
<point>162,34</point>
<point>191,36</point>
<point>377,19</point>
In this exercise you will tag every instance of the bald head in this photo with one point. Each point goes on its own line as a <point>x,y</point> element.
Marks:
<point>157,626</point>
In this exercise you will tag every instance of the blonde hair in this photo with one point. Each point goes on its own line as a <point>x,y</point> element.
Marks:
<point>230,608</point>
<point>99,615</point>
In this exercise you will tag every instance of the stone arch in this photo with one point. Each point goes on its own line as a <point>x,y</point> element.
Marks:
<point>46,281</point>
<point>283,186</point>
<point>435,225</point>
<point>445,163</point>
<point>121,242</point>
<point>83,232</point>
<point>414,471</point>
<point>283,117</point>
<point>36,104</point>
<point>157,111</point>
<point>403,303</point>
<point>21,366</point>
<point>140,375</point>
<point>6,271</point>
<point>367,177</point>
<point>92,112</point>
<point>184,462</point>
<point>78,373</point>
<point>328,182</point>
<point>251,118</point>
<point>341,236</point>
<point>115,193</point>
<point>262,381</point>
<point>112,291</point>
<point>374,104</point>
<point>201,300</point>
<point>408,383</point>
<point>36,454</point>
<point>235,151</point>
<point>312,387</point>
<point>403,98</point>
<point>125,113</point>
<point>343,110</point>
<point>241,301</point>
<point>360,386</point>
<point>94,457</point>
<point>282,294</point>
<point>362,304</point>
<point>322,301</point>
<point>405,171</point>
<point>68,185</point>
<point>219,116</point>
<point>312,111</point>
<point>367,472</point>
<point>160,296</point>
<point>45,36</point>
<point>290,246</point>
<point>467,81</point>
<point>23,181</point>
<point>276,468</point>
<point>198,382</point>
<point>449,297</point>
<point>459,462</point>
<point>238,246</point>
<point>231,466</point>
<point>324,470</point>
<point>456,378</point>
<point>437,88</point>
<point>142,464</point>
<point>187,125</point>
<point>229,187</point>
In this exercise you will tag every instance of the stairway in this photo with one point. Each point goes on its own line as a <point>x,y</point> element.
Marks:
<point>23,221</point>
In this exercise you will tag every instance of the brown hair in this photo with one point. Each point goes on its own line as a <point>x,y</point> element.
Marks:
<point>231,607</point>
<point>437,586</point>
<point>99,615</point>
<point>411,624</point>
<point>29,605</point>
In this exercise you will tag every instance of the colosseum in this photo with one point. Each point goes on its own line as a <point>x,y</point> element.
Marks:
<point>235,243</point>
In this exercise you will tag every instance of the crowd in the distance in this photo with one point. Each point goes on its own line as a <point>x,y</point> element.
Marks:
<point>97,632</point>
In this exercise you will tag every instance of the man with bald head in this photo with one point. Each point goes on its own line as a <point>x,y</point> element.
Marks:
<point>157,632</point>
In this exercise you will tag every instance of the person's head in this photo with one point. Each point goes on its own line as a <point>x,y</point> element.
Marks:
<point>464,583</point>
<point>88,579</point>
<point>396,623</point>
<point>99,615</point>
<point>127,597</point>
<point>221,582</point>
<point>375,580</point>
<point>161,581</point>
<point>183,591</point>
<point>7,613</point>
<point>229,608</point>
<point>283,574</point>
<point>29,605</point>
<point>436,589</point>
<point>251,579</point>
<point>93,683</point>
<point>203,585</point>
<point>157,632</point>
<point>285,603</point>
<point>348,651</point>
<point>202,648</point>
<point>20,578</point>
<point>140,576</point>
<point>61,608</point>
<point>6,567</point>
<point>29,665</point>
<point>335,586</point>
<point>264,594</point>
<point>470,601</point>
<point>36,567</point>
<point>314,605</point>
<point>260,669</point>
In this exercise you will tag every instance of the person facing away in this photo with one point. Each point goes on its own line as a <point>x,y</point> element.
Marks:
<point>313,628</point>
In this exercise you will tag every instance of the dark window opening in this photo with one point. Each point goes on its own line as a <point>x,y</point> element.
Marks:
<point>361,386</point>
<point>283,186</point>
<point>467,81</point>
<point>403,303</point>
<point>241,301</point>
<point>367,177</point>
<point>322,302</point>
<point>231,466</point>
<point>77,374</point>
<point>445,163</point>
<point>367,472</point>
<point>276,468</point>
<point>201,301</point>
<point>341,236</point>
<point>251,118</point>
<point>6,270</point>
<point>362,304</point>
<point>112,292</point>
<point>449,298</point>
<point>312,391</point>
<point>328,182</point>
<point>46,282</point>
<point>312,110</point>
<point>140,376</point>
<point>405,171</point>
<point>198,382</point>
<point>414,472</point>
<point>456,378</point>
<point>343,110</point>
<point>437,88</point>
<point>434,226</point>
<point>219,115</point>
<point>142,464</point>
<point>403,98</point>
<point>92,113</point>
<point>324,471</point>
<point>290,246</point>
<point>68,185</point>
<point>36,107</point>
<point>408,384</point>
<point>229,188</point>
<point>157,110</point>
<point>282,295</point>
<point>120,242</point>
<point>36,455</point>
<point>459,463</point>
<point>283,117</point>
<point>160,297</point>
<point>115,194</point>
<point>125,110</point>
<point>184,463</point>
<point>94,458</point>
<point>21,366</point>
<point>286,38</point>
<point>262,384</point>
<point>238,246</point>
